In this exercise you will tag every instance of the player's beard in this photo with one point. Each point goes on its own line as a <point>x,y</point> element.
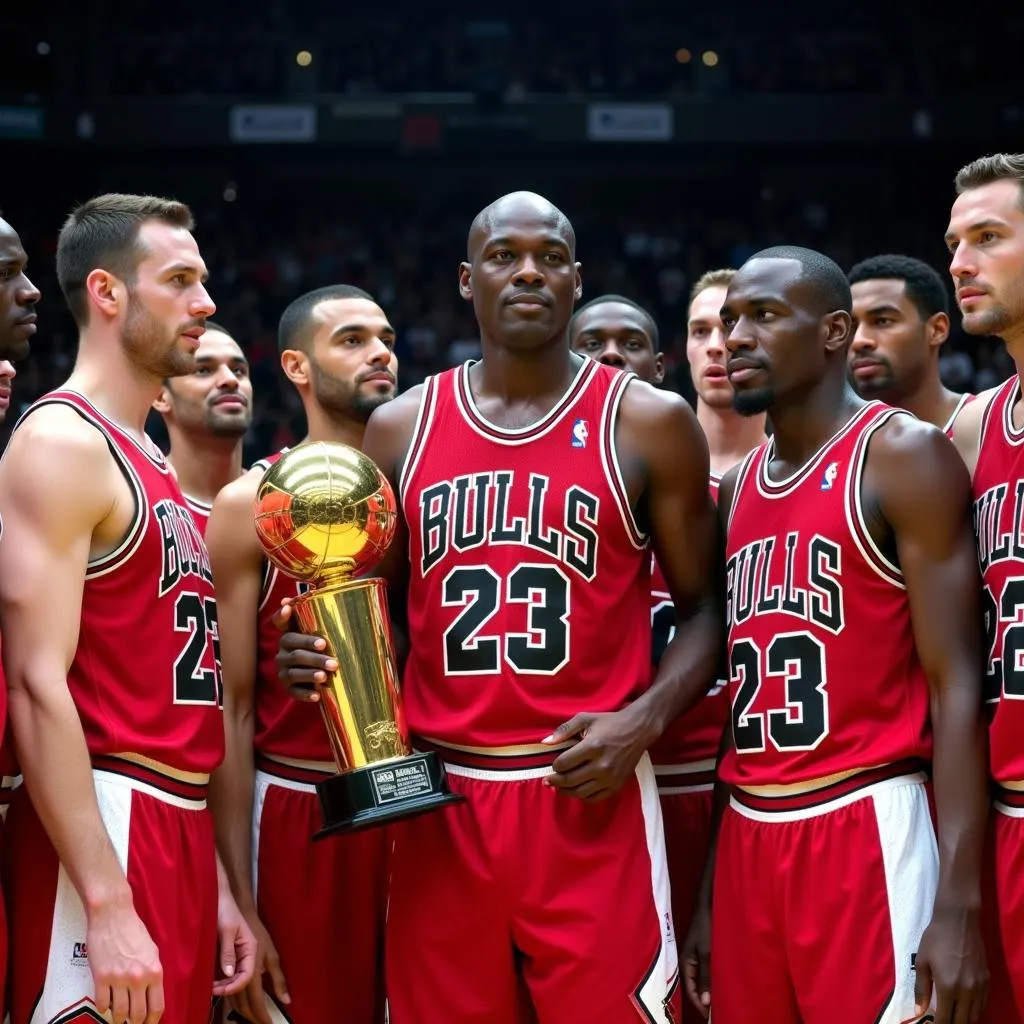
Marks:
<point>226,426</point>
<point>341,397</point>
<point>754,402</point>
<point>150,345</point>
<point>999,317</point>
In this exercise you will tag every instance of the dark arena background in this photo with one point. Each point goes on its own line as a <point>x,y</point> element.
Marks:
<point>323,142</point>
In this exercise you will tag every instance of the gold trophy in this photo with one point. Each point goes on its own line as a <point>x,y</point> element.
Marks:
<point>324,514</point>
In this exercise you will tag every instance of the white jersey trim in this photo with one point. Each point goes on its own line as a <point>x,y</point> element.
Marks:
<point>856,520</point>
<point>610,460</point>
<point>959,408</point>
<point>420,432</point>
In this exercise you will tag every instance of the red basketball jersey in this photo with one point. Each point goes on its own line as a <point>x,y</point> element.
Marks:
<point>950,424</point>
<point>146,674</point>
<point>696,735</point>
<point>530,582</point>
<point>284,727</point>
<point>824,673</point>
<point>200,513</point>
<point>999,525</point>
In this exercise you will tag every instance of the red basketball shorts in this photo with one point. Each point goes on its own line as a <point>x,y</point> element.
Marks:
<point>524,904</point>
<point>163,836</point>
<point>1006,909</point>
<point>818,910</point>
<point>6,784</point>
<point>686,800</point>
<point>323,903</point>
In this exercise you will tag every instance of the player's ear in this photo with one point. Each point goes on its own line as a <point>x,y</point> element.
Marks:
<point>838,327</point>
<point>579,283</point>
<point>465,287</point>
<point>295,364</point>
<point>106,292</point>
<point>162,402</point>
<point>936,329</point>
<point>659,367</point>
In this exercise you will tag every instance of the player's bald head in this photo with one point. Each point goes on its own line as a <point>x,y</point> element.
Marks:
<point>516,210</point>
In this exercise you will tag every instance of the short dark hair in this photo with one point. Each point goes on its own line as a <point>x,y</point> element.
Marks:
<point>601,300</point>
<point>104,233</point>
<point>987,169</point>
<point>922,283</point>
<point>293,329</point>
<point>824,274</point>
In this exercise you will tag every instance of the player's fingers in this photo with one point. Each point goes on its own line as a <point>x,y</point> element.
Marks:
<point>245,962</point>
<point>704,981</point>
<point>120,1005</point>
<point>281,617</point>
<point>277,978</point>
<point>138,1004</point>
<point>103,996</point>
<point>923,989</point>
<point>574,727</point>
<point>154,1003</point>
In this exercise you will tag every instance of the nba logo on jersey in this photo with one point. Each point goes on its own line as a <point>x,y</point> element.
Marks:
<point>580,433</point>
<point>831,472</point>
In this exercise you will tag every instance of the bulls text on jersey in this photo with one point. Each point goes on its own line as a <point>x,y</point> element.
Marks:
<point>761,579</point>
<point>184,553</point>
<point>472,511</point>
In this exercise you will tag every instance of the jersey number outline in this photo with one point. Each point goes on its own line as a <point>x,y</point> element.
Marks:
<point>194,684</point>
<point>1004,673</point>
<point>802,722</point>
<point>543,650</point>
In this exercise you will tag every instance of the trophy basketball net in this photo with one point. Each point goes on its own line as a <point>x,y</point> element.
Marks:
<point>325,514</point>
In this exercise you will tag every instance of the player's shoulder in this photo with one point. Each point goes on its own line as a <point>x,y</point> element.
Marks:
<point>402,409</point>
<point>56,438</point>
<point>647,407</point>
<point>967,425</point>
<point>241,492</point>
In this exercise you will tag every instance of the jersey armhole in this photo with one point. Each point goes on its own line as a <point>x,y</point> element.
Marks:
<point>610,460</point>
<point>741,479</point>
<point>420,433</point>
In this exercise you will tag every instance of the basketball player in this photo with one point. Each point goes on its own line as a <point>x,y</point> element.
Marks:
<point>620,333</point>
<point>853,650</point>
<point>207,414</point>
<point>986,240</point>
<point>529,483</point>
<point>18,298</point>
<point>109,629</point>
<point>730,436</point>
<point>901,322</point>
<point>321,903</point>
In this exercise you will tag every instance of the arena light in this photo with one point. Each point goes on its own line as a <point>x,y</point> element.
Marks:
<point>303,58</point>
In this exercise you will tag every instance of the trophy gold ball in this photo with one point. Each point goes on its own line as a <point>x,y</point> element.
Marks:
<point>325,515</point>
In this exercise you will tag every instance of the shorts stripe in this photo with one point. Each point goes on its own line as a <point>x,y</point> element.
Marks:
<point>824,798</point>
<point>497,763</point>
<point>697,777</point>
<point>305,775</point>
<point>179,791</point>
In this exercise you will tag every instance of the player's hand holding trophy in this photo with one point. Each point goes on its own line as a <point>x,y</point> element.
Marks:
<point>325,515</point>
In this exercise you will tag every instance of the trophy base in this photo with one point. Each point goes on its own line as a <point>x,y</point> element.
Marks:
<point>379,794</point>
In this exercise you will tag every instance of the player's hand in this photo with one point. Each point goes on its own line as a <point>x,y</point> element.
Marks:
<point>236,947</point>
<point>301,662</point>
<point>250,1003</point>
<point>606,755</point>
<point>696,957</point>
<point>125,964</point>
<point>951,958</point>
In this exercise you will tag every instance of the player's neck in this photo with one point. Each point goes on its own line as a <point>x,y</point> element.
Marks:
<point>342,429</point>
<point>119,390</point>
<point>801,429</point>
<point>205,465</point>
<point>932,402</point>
<point>729,435</point>
<point>511,375</point>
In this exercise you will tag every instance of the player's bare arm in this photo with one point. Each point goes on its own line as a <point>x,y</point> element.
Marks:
<point>665,465</point>
<point>967,428</point>
<point>301,661</point>
<point>695,952</point>
<point>921,491</point>
<point>237,562</point>
<point>63,500</point>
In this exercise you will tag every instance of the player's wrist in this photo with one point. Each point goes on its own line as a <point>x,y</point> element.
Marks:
<point>106,895</point>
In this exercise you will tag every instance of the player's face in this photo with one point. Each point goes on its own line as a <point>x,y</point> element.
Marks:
<point>18,296</point>
<point>7,375</point>
<point>216,397</point>
<point>522,279</point>
<point>168,303</point>
<point>618,335</point>
<point>776,343</point>
<point>705,348</point>
<point>891,346</point>
<point>986,240</point>
<point>352,366</point>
